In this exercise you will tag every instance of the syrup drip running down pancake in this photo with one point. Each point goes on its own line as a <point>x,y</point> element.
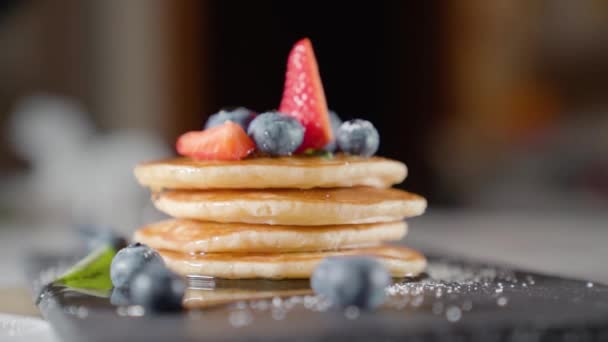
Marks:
<point>204,298</point>
<point>292,207</point>
<point>399,261</point>
<point>189,236</point>
<point>296,172</point>
<point>205,292</point>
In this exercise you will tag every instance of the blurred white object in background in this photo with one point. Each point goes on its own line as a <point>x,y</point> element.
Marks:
<point>78,175</point>
<point>16,328</point>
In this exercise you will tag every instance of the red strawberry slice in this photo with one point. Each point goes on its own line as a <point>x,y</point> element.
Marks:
<point>303,96</point>
<point>225,142</point>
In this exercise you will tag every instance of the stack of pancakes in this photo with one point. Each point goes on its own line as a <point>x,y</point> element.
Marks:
<point>278,218</point>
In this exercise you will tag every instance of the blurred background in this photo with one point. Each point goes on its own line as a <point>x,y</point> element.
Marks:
<point>499,109</point>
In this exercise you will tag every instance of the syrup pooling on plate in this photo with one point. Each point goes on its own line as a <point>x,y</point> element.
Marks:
<point>450,291</point>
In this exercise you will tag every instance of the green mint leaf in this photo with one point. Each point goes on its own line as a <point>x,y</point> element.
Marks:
<point>310,152</point>
<point>318,153</point>
<point>92,272</point>
<point>327,155</point>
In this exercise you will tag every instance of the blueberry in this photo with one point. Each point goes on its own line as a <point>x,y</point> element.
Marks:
<point>335,122</point>
<point>345,281</point>
<point>120,296</point>
<point>131,260</point>
<point>158,289</point>
<point>358,137</point>
<point>276,134</point>
<point>240,115</point>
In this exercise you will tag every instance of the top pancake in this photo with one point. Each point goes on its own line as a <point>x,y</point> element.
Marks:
<point>297,172</point>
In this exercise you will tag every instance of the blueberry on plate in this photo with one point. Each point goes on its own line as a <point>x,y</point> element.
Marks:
<point>276,134</point>
<point>158,289</point>
<point>131,260</point>
<point>120,296</point>
<point>240,115</point>
<point>345,281</point>
<point>335,123</point>
<point>358,137</point>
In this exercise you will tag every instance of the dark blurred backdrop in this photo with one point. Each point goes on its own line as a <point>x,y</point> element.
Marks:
<point>378,61</point>
<point>491,104</point>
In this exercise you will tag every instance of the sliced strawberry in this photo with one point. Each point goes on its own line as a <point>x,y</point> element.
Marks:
<point>225,142</point>
<point>303,96</point>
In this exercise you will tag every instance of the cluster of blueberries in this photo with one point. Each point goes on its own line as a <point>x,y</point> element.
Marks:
<point>280,135</point>
<point>140,277</point>
<point>351,281</point>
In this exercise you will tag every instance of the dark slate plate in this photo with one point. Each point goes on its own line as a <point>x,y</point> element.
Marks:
<point>455,301</point>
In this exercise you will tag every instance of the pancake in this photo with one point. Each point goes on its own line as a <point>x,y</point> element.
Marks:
<point>297,172</point>
<point>189,236</point>
<point>291,206</point>
<point>399,261</point>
